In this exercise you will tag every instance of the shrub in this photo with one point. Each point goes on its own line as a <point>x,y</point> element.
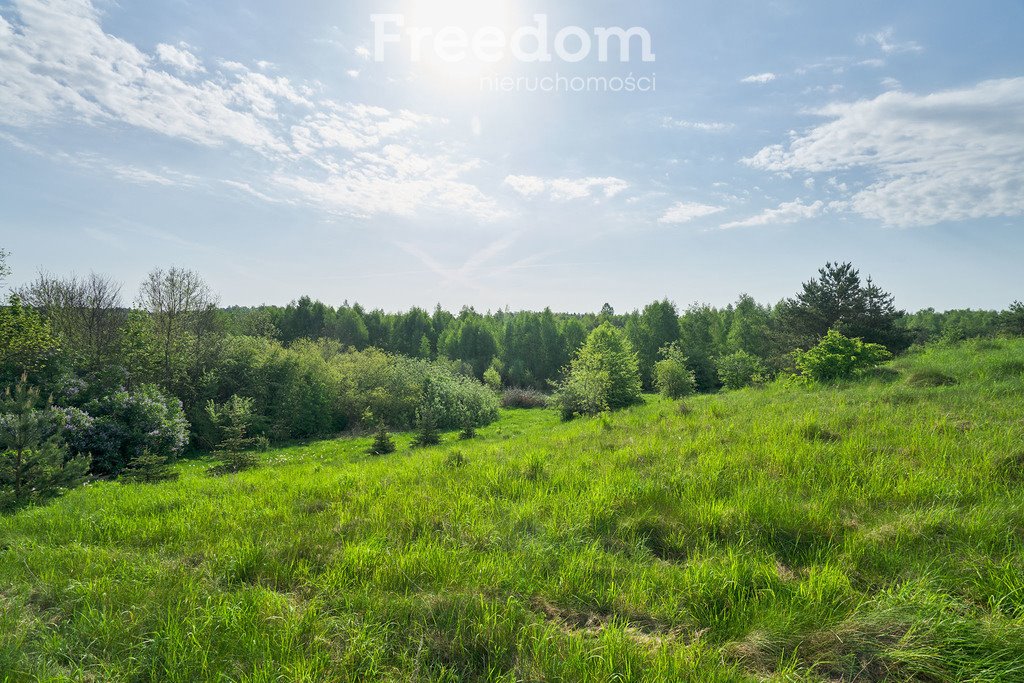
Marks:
<point>526,399</point>
<point>234,418</point>
<point>120,427</point>
<point>672,375</point>
<point>837,357</point>
<point>455,460</point>
<point>391,387</point>
<point>604,375</point>
<point>426,430</point>
<point>740,369</point>
<point>930,377</point>
<point>382,443</point>
<point>468,432</point>
<point>492,379</point>
<point>35,464</point>
<point>148,469</point>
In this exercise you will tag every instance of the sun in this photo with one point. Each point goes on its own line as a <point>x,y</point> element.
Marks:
<point>468,16</point>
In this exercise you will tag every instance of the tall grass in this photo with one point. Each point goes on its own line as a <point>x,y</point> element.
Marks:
<point>864,532</point>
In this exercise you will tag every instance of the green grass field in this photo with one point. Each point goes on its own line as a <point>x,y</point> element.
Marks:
<point>873,531</point>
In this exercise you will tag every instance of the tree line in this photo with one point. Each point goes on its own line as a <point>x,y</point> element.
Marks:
<point>124,379</point>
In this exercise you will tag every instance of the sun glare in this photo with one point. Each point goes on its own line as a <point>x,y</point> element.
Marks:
<point>469,16</point>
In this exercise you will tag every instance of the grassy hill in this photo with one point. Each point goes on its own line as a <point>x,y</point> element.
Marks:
<point>865,532</point>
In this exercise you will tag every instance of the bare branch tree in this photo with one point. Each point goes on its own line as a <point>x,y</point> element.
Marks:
<point>85,312</point>
<point>182,306</point>
<point>5,270</point>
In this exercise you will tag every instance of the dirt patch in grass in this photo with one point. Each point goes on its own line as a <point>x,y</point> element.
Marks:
<point>930,377</point>
<point>642,629</point>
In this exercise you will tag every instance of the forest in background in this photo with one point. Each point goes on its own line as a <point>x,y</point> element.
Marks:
<point>125,375</point>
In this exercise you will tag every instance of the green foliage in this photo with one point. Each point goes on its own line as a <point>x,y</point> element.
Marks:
<point>740,369</point>
<point>806,533</point>
<point>26,341</point>
<point>839,300</point>
<point>391,388</point>
<point>701,333</point>
<point>604,375</point>
<point>837,357</point>
<point>468,431</point>
<point>427,433</point>
<point>34,462</point>
<point>534,348</point>
<point>673,377</point>
<point>1013,319</point>
<point>749,328</point>
<point>183,326</point>
<point>468,339</point>
<point>123,425</point>
<point>382,442</point>
<point>655,328</point>
<point>492,379</point>
<point>234,419</point>
<point>148,468</point>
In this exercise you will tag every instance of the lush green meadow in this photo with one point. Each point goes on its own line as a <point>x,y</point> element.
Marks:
<point>869,531</point>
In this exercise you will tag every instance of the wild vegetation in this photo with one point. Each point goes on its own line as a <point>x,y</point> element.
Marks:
<point>824,489</point>
<point>867,530</point>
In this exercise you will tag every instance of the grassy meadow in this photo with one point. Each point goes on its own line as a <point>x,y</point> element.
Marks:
<point>869,531</point>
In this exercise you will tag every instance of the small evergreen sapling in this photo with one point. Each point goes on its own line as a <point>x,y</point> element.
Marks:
<point>34,462</point>
<point>468,428</point>
<point>234,418</point>
<point>427,433</point>
<point>148,468</point>
<point>382,443</point>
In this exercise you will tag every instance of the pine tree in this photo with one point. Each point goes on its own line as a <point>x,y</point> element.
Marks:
<point>427,433</point>
<point>382,443</point>
<point>148,468</point>
<point>469,423</point>
<point>426,428</point>
<point>234,417</point>
<point>34,462</point>
<point>838,300</point>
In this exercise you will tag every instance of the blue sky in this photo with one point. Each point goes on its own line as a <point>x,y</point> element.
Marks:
<point>264,145</point>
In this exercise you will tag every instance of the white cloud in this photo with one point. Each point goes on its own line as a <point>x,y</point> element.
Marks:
<point>684,212</point>
<point>180,58</point>
<point>766,77</point>
<point>948,156</point>
<point>527,186</point>
<point>704,126</point>
<point>396,180</point>
<point>566,189</point>
<point>885,42</point>
<point>351,127</point>
<point>363,51</point>
<point>59,65</point>
<point>787,212</point>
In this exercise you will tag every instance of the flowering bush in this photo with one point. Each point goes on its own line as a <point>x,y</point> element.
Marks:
<point>119,428</point>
